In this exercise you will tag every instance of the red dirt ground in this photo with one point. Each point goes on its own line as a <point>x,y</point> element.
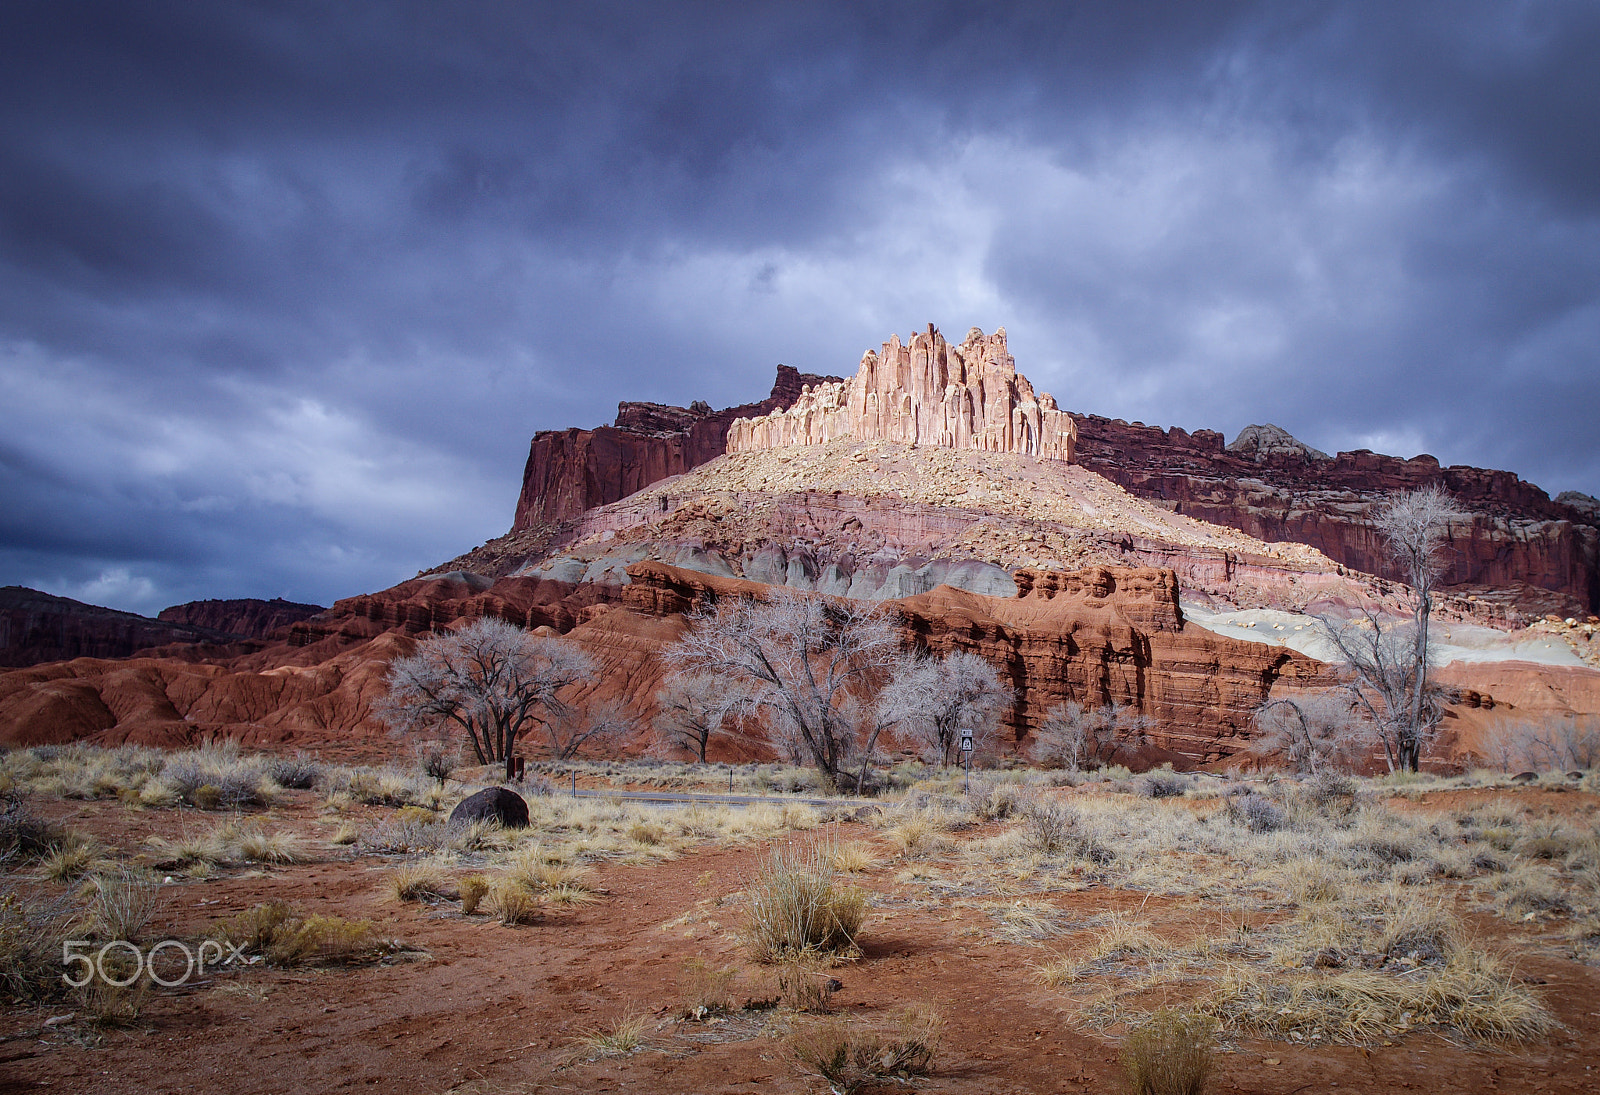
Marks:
<point>484,1008</point>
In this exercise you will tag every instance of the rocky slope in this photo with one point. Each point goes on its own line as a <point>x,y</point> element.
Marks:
<point>1519,548</point>
<point>570,471</point>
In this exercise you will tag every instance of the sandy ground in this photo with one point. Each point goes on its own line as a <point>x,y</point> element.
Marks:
<point>475,1006</point>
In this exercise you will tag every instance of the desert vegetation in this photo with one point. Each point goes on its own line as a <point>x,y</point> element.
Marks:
<point>1168,924</point>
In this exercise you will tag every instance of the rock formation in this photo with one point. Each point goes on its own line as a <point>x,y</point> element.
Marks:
<point>572,470</point>
<point>244,618</point>
<point>925,393</point>
<point>1519,547</point>
<point>41,627</point>
<point>1264,442</point>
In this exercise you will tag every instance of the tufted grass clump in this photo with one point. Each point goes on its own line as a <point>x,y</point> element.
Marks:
<point>1170,1054</point>
<point>797,906</point>
<point>284,937</point>
<point>422,881</point>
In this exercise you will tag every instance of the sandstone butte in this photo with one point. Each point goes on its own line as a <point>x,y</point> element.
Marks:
<point>1072,571</point>
<point>926,393</point>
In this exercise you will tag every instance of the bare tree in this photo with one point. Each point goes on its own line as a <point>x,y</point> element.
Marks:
<point>568,729</point>
<point>693,708</point>
<point>1388,686</point>
<point>1313,732</point>
<point>796,658</point>
<point>1075,736</point>
<point>490,680</point>
<point>935,701</point>
<point>1416,526</point>
<point>1556,743</point>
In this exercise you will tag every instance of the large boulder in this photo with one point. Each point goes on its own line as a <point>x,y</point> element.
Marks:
<point>493,804</point>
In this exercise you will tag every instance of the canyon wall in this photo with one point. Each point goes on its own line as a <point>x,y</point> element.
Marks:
<point>927,392</point>
<point>573,470</point>
<point>1519,546</point>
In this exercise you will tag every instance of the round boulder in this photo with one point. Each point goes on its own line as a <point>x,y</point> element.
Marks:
<point>493,804</point>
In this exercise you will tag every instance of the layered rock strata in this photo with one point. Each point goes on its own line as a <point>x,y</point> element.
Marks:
<point>1518,546</point>
<point>927,392</point>
<point>570,471</point>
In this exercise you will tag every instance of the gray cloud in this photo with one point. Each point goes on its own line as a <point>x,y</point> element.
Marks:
<point>284,289</point>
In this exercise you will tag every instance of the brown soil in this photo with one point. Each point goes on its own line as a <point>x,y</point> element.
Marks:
<point>483,1008</point>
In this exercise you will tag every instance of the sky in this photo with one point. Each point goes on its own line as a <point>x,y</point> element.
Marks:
<point>285,289</point>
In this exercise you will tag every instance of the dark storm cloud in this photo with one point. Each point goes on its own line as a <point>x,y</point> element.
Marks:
<point>285,288</point>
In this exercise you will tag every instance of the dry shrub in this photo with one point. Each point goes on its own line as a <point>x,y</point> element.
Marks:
<point>705,990</point>
<point>120,905</point>
<point>797,906</point>
<point>1163,784</point>
<point>284,937</point>
<point>298,773</point>
<point>851,1058</point>
<point>32,930</point>
<point>805,981</point>
<point>1255,812</point>
<point>1170,1054</point>
<point>27,836</point>
<point>511,903</point>
<point>473,890</point>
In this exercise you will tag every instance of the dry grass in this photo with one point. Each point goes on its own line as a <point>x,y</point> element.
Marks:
<point>420,881</point>
<point>796,905</point>
<point>284,937</point>
<point>618,1038</point>
<point>705,990</point>
<point>855,857</point>
<point>256,845</point>
<point>1472,993</point>
<point>121,905</point>
<point>72,860</point>
<point>510,903</point>
<point>473,890</point>
<point>31,933</point>
<point>851,1057</point>
<point>1170,1054</point>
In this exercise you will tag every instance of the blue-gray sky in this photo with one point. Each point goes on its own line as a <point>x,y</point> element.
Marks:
<point>285,288</point>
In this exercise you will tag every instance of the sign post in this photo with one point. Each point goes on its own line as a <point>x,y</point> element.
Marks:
<point>966,757</point>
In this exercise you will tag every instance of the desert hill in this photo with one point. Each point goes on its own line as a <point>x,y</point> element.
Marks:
<point>1088,560</point>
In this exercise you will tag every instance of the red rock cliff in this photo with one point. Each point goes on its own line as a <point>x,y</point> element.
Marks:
<point>1518,537</point>
<point>572,470</point>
